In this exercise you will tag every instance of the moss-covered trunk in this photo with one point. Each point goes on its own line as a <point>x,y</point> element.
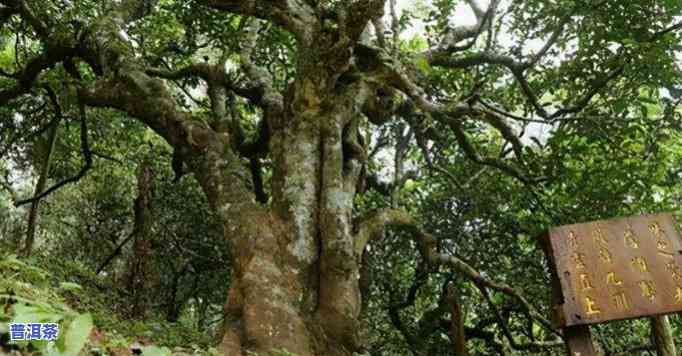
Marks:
<point>662,335</point>
<point>295,272</point>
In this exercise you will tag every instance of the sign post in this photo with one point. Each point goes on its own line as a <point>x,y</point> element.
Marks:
<point>612,270</point>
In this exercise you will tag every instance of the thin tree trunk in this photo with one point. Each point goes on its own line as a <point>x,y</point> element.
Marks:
<point>40,187</point>
<point>662,334</point>
<point>457,333</point>
<point>113,255</point>
<point>203,305</point>
<point>139,277</point>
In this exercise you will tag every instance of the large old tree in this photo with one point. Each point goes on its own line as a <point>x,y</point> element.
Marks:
<point>278,108</point>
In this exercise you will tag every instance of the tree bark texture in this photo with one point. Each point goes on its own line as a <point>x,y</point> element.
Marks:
<point>295,283</point>
<point>139,276</point>
<point>662,335</point>
<point>457,326</point>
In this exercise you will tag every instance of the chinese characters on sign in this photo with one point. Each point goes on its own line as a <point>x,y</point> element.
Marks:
<point>33,331</point>
<point>617,269</point>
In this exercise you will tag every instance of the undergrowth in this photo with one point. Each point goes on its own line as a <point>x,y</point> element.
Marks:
<point>88,311</point>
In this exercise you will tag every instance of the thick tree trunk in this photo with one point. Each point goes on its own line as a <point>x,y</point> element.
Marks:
<point>295,273</point>
<point>264,308</point>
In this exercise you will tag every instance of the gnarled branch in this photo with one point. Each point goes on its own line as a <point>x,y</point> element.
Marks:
<point>87,156</point>
<point>359,14</point>
<point>374,224</point>
<point>296,16</point>
<point>27,76</point>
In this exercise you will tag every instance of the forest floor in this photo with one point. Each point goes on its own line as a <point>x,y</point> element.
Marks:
<point>90,314</point>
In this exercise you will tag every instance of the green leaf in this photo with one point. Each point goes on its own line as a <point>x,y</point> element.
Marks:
<point>34,314</point>
<point>423,64</point>
<point>77,334</point>
<point>68,286</point>
<point>629,42</point>
<point>155,351</point>
<point>620,106</point>
<point>54,307</point>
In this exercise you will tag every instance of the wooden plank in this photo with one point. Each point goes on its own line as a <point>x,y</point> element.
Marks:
<point>557,294</point>
<point>617,269</point>
<point>579,341</point>
<point>578,338</point>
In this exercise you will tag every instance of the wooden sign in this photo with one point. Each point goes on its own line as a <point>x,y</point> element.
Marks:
<point>616,269</point>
